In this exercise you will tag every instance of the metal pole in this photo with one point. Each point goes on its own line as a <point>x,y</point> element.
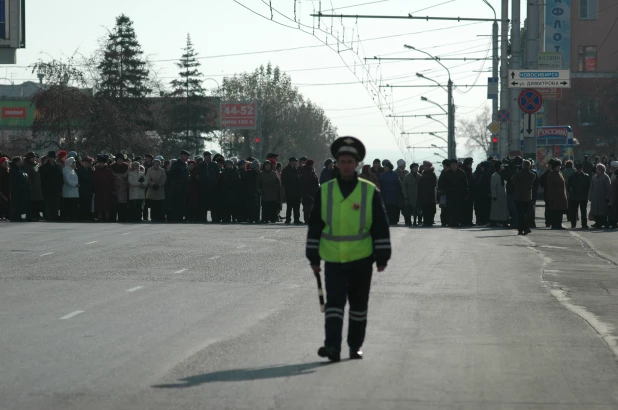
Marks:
<point>532,57</point>
<point>494,70</point>
<point>515,141</point>
<point>451,122</point>
<point>504,86</point>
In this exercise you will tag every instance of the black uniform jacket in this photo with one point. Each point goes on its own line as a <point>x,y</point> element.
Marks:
<point>379,228</point>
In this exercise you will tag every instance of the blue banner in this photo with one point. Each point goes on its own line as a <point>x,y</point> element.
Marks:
<point>558,29</point>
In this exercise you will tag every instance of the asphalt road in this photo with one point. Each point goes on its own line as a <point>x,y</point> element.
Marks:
<point>105,316</point>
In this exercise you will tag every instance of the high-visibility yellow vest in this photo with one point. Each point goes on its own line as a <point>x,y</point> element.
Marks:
<point>346,236</point>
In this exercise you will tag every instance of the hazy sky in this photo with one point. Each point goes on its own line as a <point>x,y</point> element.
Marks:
<point>220,28</point>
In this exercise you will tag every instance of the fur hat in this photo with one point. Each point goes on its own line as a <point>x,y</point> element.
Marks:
<point>62,154</point>
<point>401,162</point>
<point>255,164</point>
<point>327,162</point>
<point>72,154</point>
<point>70,161</point>
<point>309,162</point>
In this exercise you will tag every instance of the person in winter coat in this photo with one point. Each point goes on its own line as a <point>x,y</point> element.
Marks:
<point>193,193</point>
<point>483,194</point>
<point>391,193</point>
<point>427,193</point>
<point>178,181</point>
<point>524,183</point>
<point>5,189</point>
<point>567,172</point>
<point>137,192</point>
<point>209,173</point>
<point>229,186</point>
<point>467,209</point>
<point>328,171</point>
<point>310,184</point>
<point>578,186</point>
<point>35,205</point>
<point>455,185</point>
<point>20,190</point>
<point>70,191</point>
<point>599,196</point>
<point>377,168</point>
<point>556,194</point>
<point>268,186</point>
<point>612,216</point>
<point>367,175</point>
<point>52,182</point>
<point>155,195</point>
<point>499,206</point>
<point>104,186</point>
<point>85,174</point>
<point>410,195</point>
<point>249,196</point>
<point>290,178</point>
<point>401,169</point>
<point>120,170</point>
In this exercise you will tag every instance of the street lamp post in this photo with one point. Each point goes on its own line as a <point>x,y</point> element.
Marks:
<point>451,113</point>
<point>434,103</point>
<point>435,146</point>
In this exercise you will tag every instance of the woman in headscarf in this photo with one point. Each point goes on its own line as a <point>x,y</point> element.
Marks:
<point>137,191</point>
<point>269,187</point>
<point>556,194</point>
<point>499,207</point>
<point>104,185</point>
<point>427,193</point>
<point>155,195</point>
<point>367,175</point>
<point>599,196</point>
<point>70,191</point>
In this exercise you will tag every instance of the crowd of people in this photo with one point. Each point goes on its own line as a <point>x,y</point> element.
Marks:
<point>66,187</point>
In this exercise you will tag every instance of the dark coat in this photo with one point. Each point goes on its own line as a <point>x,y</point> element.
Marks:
<point>104,186</point>
<point>556,191</point>
<point>524,183</point>
<point>472,187</point>
<point>390,187</point>
<point>290,178</point>
<point>309,182</point>
<point>229,187</point>
<point>5,192</point>
<point>578,186</point>
<point>484,186</point>
<point>248,182</point>
<point>85,177</point>
<point>326,175</point>
<point>20,192</point>
<point>52,179</point>
<point>193,191</point>
<point>269,186</point>
<point>34,180</point>
<point>427,188</point>
<point>178,178</point>
<point>455,184</point>
<point>208,176</point>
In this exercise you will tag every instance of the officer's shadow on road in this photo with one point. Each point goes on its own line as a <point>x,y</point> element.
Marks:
<point>239,375</point>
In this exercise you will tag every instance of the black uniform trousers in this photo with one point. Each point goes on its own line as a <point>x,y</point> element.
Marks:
<point>347,282</point>
<point>293,204</point>
<point>582,206</point>
<point>523,207</point>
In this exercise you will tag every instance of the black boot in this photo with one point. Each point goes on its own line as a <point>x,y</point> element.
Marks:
<point>330,352</point>
<point>356,354</point>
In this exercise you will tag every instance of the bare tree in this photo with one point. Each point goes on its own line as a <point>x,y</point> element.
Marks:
<point>475,132</point>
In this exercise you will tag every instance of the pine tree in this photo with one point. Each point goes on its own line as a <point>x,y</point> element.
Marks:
<point>189,85</point>
<point>189,95</point>
<point>123,71</point>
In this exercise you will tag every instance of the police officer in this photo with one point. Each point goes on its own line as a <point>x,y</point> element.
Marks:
<point>348,228</point>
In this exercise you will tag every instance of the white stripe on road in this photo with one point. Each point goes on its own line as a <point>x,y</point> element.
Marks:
<point>72,315</point>
<point>134,289</point>
<point>214,257</point>
<point>90,243</point>
<point>180,271</point>
<point>47,254</point>
<point>241,246</point>
<point>127,233</point>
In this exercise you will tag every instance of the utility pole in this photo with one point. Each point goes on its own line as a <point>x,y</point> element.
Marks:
<point>494,69</point>
<point>515,141</point>
<point>504,86</point>
<point>532,58</point>
<point>452,147</point>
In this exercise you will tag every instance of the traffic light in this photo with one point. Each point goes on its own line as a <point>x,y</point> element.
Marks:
<point>494,139</point>
<point>257,140</point>
<point>494,143</point>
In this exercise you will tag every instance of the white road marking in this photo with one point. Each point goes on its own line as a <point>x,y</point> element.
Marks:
<point>262,237</point>
<point>72,315</point>
<point>90,243</point>
<point>46,254</point>
<point>241,246</point>
<point>182,270</point>
<point>214,257</point>
<point>134,289</point>
<point>127,233</point>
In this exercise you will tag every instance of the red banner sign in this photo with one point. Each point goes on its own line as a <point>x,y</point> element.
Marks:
<point>239,116</point>
<point>13,112</point>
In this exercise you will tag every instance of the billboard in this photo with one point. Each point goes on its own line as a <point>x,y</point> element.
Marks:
<point>16,113</point>
<point>558,29</point>
<point>239,116</point>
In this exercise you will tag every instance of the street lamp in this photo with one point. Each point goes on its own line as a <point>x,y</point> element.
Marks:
<point>438,121</point>
<point>437,136</point>
<point>451,111</point>
<point>439,155</point>
<point>434,103</point>
<point>419,75</point>
<point>435,146</point>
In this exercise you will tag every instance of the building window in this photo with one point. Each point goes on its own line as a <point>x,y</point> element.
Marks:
<point>588,111</point>
<point>588,9</point>
<point>587,58</point>
<point>3,15</point>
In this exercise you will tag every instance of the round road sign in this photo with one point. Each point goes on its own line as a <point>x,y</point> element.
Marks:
<point>504,115</point>
<point>530,101</point>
